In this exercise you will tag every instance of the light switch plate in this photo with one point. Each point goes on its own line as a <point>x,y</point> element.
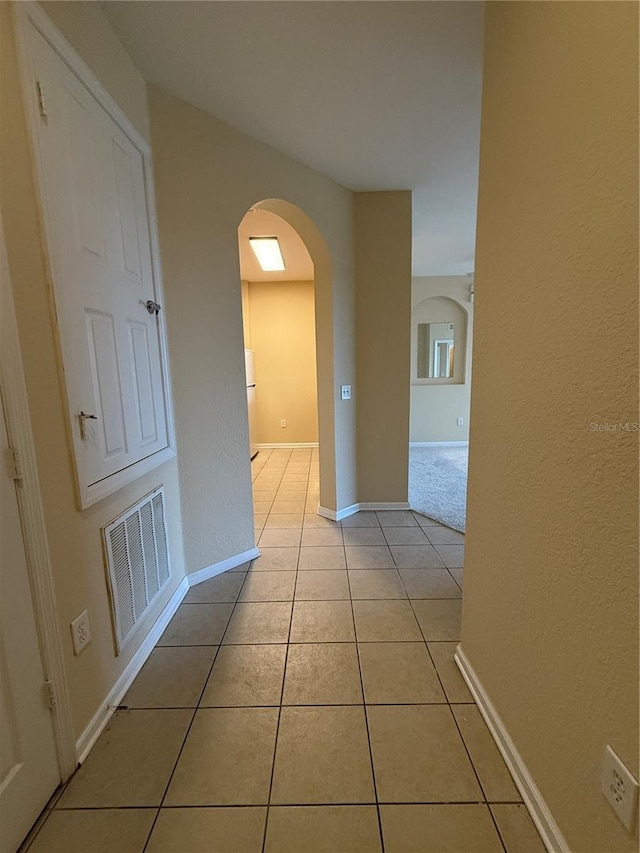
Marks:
<point>345,392</point>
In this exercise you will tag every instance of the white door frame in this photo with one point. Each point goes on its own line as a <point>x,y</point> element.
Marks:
<point>14,394</point>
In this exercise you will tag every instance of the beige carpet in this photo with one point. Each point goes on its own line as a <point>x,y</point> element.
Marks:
<point>438,483</point>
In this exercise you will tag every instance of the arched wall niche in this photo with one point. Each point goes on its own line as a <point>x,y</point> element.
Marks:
<point>441,309</point>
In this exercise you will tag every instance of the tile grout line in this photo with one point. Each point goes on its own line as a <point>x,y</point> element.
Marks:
<point>159,808</point>
<point>454,580</point>
<point>162,799</point>
<point>426,642</point>
<point>364,702</point>
<point>477,775</point>
<point>448,703</point>
<point>195,710</point>
<point>294,805</point>
<point>190,726</point>
<point>202,693</point>
<point>464,744</point>
<point>284,676</point>
<point>280,485</point>
<point>503,802</point>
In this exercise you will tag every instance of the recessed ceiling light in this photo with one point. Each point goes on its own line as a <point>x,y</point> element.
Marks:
<point>267,251</point>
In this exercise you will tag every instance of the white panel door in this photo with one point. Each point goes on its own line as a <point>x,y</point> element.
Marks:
<point>28,765</point>
<point>99,240</point>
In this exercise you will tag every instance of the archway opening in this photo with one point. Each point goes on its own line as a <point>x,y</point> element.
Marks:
<point>283,351</point>
<point>441,328</point>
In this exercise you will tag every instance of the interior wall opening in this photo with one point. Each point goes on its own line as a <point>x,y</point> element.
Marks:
<point>441,338</point>
<point>279,325</point>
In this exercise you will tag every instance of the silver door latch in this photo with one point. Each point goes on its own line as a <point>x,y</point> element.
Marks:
<point>152,307</point>
<point>82,417</point>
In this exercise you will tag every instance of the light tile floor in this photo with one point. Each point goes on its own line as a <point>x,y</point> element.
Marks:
<point>307,702</point>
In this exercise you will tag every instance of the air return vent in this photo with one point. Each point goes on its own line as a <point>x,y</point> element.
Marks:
<point>138,563</point>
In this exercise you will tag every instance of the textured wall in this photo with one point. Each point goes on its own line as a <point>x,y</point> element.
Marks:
<point>550,619</point>
<point>383,300</point>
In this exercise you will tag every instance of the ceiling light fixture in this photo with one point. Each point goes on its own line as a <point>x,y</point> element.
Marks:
<point>267,251</point>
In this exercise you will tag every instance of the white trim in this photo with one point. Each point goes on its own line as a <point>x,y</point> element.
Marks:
<point>96,492</point>
<point>438,444</point>
<point>30,10</point>
<point>339,514</point>
<point>283,445</point>
<point>383,507</point>
<point>110,704</point>
<point>29,14</point>
<point>32,516</point>
<point>223,566</point>
<point>159,290</point>
<point>533,800</point>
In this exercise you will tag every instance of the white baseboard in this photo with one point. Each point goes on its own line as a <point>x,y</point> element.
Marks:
<point>438,444</point>
<point>338,515</point>
<point>223,566</point>
<point>106,710</point>
<point>286,445</point>
<point>531,796</point>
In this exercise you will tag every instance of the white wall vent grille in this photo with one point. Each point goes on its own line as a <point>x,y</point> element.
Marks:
<point>137,562</point>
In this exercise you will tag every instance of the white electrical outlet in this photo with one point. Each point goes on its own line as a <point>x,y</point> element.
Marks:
<point>80,632</point>
<point>345,392</point>
<point>620,788</point>
<point>460,421</point>
<point>283,423</point>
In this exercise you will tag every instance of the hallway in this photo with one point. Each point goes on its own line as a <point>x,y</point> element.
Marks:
<point>306,702</point>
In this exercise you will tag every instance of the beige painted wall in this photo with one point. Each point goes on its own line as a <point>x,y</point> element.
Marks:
<point>435,408</point>
<point>550,620</point>
<point>283,337</point>
<point>246,314</point>
<point>74,537</point>
<point>383,251</point>
<point>208,175</point>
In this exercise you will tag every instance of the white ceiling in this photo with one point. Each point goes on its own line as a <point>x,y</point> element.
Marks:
<point>297,260</point>
<point>376,95</point>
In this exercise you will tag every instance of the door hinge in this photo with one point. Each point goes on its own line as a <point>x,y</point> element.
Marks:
<point>51,693</point>
<point>14,458</point>
<point>42,107</point>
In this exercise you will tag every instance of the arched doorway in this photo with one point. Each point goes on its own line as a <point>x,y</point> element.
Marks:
<point>288,347</point>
